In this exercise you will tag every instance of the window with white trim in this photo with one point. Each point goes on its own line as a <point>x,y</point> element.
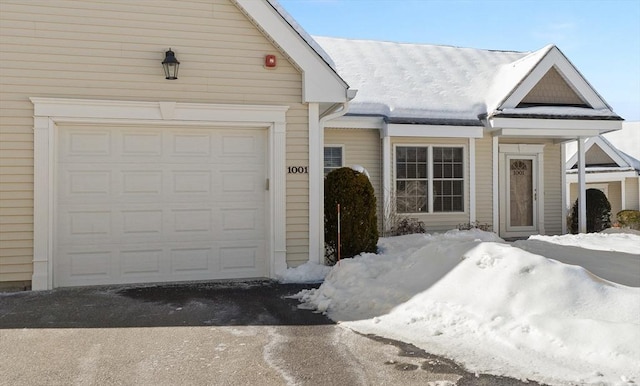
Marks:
<point>421,170</point>
<point>332,158</point>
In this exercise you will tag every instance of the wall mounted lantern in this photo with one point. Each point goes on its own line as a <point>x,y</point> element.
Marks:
<point>170,65</point>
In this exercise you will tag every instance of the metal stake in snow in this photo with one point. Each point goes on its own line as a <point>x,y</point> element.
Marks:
<point>338,234</point>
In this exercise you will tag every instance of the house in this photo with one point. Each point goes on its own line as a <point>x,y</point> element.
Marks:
<point>113,172</point>
<point>457,135</point>
<point>610,170</point>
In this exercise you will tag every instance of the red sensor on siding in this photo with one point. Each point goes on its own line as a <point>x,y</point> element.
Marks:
<point>270,61</point>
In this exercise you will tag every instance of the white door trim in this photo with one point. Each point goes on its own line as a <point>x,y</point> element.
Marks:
<point>49,112</point>
<point>536,153</point>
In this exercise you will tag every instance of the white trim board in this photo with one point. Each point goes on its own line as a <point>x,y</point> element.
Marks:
<point>49,112</point>
<point>433,131</point>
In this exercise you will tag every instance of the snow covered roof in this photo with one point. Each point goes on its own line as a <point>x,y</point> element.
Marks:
<point>420,83</point>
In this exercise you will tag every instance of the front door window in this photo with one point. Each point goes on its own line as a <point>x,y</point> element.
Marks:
<point>521,192</point>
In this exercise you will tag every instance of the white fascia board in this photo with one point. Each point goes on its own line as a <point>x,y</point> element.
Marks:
<point>572,178</point>
<point>602,126</point>
<point>545,133</point>
<point>355,122</point>
<point>320,82</point>
<point>570,74</point>
<point>432,131</point>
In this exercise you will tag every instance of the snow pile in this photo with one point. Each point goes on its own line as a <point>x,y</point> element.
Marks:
<point>493,307</point>
<point>306,273</point>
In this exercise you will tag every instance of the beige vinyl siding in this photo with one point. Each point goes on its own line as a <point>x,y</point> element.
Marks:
<point>297,190</point>
<point>437,222</point>
<point>112,50</point>
<point>361,147</point>
<point>632,193</point>
<point>615,197</point>
<point>484,180</point>
<point>553,199</point>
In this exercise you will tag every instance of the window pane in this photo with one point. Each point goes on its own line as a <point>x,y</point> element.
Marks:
<point>447,171</point>
<point>457,170</point>
<point>401,170</point>
<point>446,204</point>
<point>332,158</point>
<point>437,154</point>
<point>446,188</point>
<point>437,170</point>
<point>437,204</point>
<point>457,204</point>
<point>457,188</point>
<point>411,196</point>
<point>422,171</point>
<point>401,154</point>
<point>448,184</point>
<point>411,154</point>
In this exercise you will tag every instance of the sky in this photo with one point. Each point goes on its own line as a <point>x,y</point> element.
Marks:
<point>601,38</point>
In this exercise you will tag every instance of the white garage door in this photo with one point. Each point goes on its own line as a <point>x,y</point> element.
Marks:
<point>141,204</point>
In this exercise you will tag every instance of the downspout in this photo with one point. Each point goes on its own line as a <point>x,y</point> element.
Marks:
<point>336,111</point>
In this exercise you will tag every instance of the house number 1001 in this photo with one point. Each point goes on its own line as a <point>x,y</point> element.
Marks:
<point>298,169</point>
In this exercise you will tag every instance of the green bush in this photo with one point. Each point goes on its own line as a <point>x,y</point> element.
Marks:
<point>358,221</point>
<point>598,212</point>
<point>629,219</point>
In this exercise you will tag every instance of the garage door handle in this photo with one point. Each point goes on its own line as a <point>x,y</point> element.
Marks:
<point>266,185</point>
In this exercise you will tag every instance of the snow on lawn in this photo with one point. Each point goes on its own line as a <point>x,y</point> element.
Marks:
<point>491,306</point>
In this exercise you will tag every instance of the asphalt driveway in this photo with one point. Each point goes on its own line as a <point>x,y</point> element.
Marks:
<point>246,333</point>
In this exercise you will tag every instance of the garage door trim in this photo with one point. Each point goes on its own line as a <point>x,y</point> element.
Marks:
<point>49,112</point>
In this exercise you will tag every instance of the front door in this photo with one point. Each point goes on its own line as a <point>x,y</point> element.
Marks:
<point>522,194</point>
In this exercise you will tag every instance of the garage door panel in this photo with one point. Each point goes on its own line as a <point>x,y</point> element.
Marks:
<point>137,205</point>
<point>139,183</point>
<point>141,262</point>
<point>90,185</point>
<point>195,146</point>
<point>146,144</point>
<point>83,143</point>
<point>191,259</point>
<point>234,258</point>
<point>86,226</point>
<point>136,223</point>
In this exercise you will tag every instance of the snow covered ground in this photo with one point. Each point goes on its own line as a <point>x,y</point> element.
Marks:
<point>495,307</point>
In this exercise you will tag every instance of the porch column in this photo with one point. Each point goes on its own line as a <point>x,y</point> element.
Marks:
<point>387,205</point>
<point>582,187</point>
<point>494,183</point>
<point>472,180</point>
<point>316,188</point>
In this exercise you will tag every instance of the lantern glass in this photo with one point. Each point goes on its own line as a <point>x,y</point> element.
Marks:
<point>170,65</point>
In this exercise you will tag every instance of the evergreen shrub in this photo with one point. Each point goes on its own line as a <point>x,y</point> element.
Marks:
<point>598,212</point>
<point>358,221</point>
